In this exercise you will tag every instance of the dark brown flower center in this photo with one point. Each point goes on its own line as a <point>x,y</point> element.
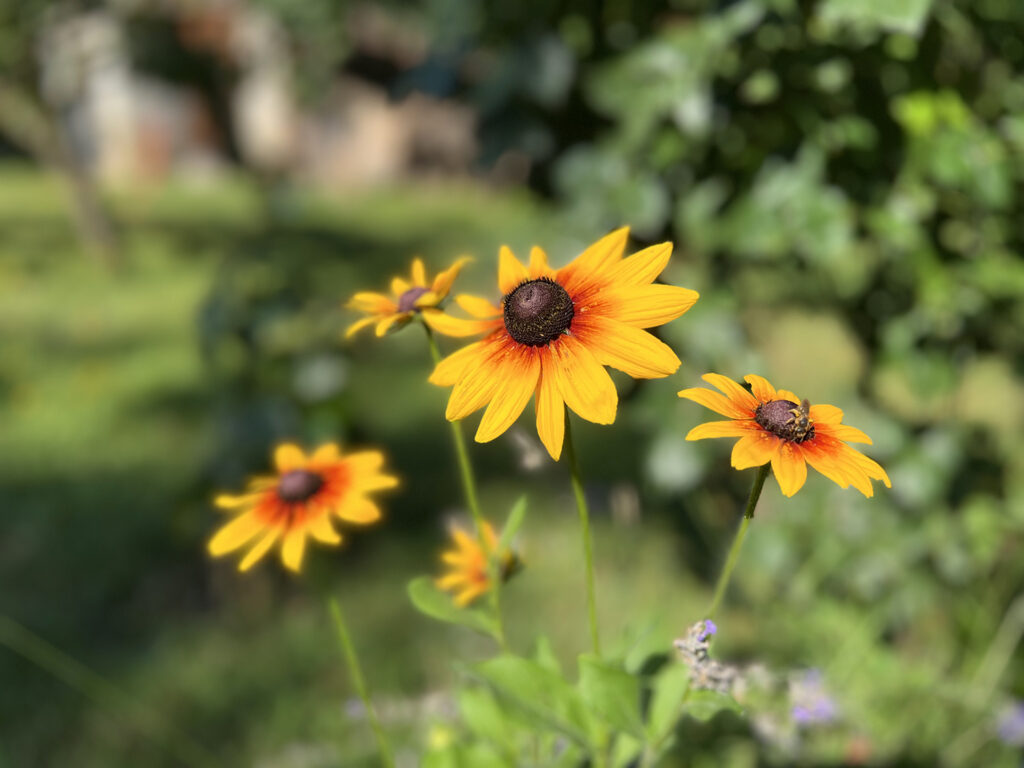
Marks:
<point>298,485</point>
<point>538,312</point>
<point>786,419</point>
<point>407,301</point>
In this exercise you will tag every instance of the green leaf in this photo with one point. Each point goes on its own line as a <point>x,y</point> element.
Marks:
<point>540,694</point>
<point>430,600</point>
<point>625,751</point>
<point>484,716</point>
<point>670,688</point>
<point>544,655</point>
<point>512,524</point>
<point>704,705</point>
<point>611,693</point>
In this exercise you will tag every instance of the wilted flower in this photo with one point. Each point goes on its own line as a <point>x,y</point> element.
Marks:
<point>779,427</point>
<point>810,702</point>
<point>554,332</point>
<point>410,296</point>
<point>705,672</point>
<point>299,501</point>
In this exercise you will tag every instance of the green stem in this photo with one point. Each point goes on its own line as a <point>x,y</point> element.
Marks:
<point>737,543</point>
<point>588,547</point>
<point>473,502</point>
<point>101,691</point>
<point>356,673</point>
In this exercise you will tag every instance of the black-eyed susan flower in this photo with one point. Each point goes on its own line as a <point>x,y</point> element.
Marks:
<point>409,297</point>
<point>468,565</point>
<point>554,332</point>
<point>777,426</point>
<point>300,501</point>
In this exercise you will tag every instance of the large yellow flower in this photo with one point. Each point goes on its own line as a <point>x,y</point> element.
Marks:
<point>468,564</point>
<point>299,501</point>
<point>554,332</point>
<point>410,296</point>
<point>777,426</point>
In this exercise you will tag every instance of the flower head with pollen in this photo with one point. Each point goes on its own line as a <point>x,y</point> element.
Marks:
<point>409,297</point>
<point>554,332</point>
<point>777,426</point>
<point>468,575</point>
<point>300,501</point>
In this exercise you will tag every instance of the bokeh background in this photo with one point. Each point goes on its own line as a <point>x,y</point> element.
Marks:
<point>189,191</point>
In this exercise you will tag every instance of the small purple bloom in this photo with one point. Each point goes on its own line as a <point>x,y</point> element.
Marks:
<point>811,703</point>
<point>1010,725</point>
<point>710,628</point>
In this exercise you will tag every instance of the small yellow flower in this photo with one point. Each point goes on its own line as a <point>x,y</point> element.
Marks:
<point>554,332</point>
<point>299,501</point>
<point>410,296</point>
<point>777,426</point>
<point>468,573</point>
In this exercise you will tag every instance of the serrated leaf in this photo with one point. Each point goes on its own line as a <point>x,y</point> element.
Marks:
<point>540,694</point>
<point>612,694</point>
<point>670,688</point>
<point>431,601</point>
<point>704,705</point>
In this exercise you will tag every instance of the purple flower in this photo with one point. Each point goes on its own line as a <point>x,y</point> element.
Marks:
<point>811,704</point>
<point>710,628</point>
<point>1010,724</point>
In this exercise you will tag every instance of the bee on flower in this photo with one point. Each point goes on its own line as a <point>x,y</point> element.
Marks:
<point>417,295</point>
<point>468,565</point>
<point>777,426</point>
<point>301,500</point>
<point>552,334</point>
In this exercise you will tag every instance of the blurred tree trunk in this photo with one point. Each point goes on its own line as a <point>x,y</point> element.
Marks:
<point>28,125</point>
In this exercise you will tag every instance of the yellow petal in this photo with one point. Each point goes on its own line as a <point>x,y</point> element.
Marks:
<point>469,594</point>
<point>385,323</point>
<point>832,459</point>
<point>328,453</point>
<point>374,483</point>
<point>755,449</point>
<point>843,432</point>
<point>732,390</point>
<point>229,501</point>
<point>789,467</point>
<point>592,267</point>
<point>289,456</point>
<point>582,381</point>
<point>511,271</point>
<point>419,274</point>
<point>630,350</point>
<point>456,327</point>
<point>719,429</point>
<point>539,264</point>
<point>716,402</point>
<point>322,530</point>
<point>550,410</point>
<point>364,462</point>
<point>643,267</point>
<point>785,394</point>
<point>455,367</point>
<point>477,387</point>
<point>514,392</point>
<point>358,325</point>
<point>443,282</point>
<point>477,306</point>
<point>824,414</point>
<point>761,387</point>
<point>294,546</point>
<point>645,306</point>
<point>262,547</point>
<point>373,303</point>
<point>451,580</point>
<point>428,299</point>
<point>235,533</point>
<point>359,510</point>
<point>399,286</point>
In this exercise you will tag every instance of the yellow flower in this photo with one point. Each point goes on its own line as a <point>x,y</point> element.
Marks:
<point>554,332</point>
<point>777,426</point>
<point>410,296</point>
<point>468,564</point>
<point>299,501</point>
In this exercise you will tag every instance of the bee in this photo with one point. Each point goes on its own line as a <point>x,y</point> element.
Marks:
<point>800,425</point>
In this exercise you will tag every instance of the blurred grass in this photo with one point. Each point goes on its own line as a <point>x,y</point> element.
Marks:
<point>111,442</point>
